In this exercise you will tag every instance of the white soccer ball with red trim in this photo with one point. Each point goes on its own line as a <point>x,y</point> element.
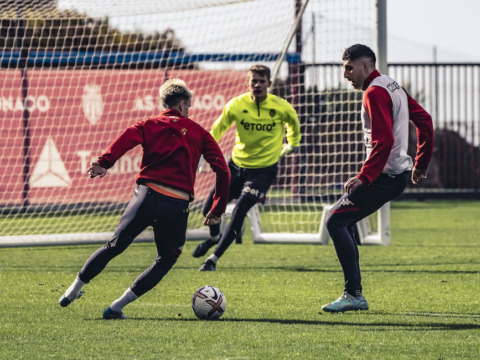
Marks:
<point>209,303</point>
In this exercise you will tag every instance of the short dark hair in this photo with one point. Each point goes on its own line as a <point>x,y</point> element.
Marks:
<point>261,70</point>
<point>358,51</point>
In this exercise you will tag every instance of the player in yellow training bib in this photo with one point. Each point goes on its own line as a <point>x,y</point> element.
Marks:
<point>262,121</point>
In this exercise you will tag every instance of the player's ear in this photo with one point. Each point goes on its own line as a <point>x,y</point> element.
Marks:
<point>365,65</point>
<point>182,105</point>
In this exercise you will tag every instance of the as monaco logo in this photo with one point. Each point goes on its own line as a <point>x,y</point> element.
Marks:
<point>92,103</point>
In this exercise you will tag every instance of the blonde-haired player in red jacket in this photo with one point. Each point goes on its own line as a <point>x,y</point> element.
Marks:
<point>172,146</point>
<point>386,111</point>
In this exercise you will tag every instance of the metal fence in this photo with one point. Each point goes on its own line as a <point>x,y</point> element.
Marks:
<point>450,92</point>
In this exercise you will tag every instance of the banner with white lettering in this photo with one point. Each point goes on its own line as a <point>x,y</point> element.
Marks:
<point>11,130</point>
<point>73,115</point>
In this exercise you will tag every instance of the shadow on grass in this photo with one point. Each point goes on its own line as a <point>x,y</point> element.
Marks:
<point>72,269</point>
<point>139,269</point>
<point>379,325</point>
<point>436,315</point>
<point>404,271</point>
<point>425,271</point>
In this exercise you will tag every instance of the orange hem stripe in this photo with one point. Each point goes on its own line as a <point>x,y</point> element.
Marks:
<point>163,191</point>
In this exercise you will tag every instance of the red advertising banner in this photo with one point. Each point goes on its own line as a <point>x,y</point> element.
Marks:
<point>11,131</point>
<point>75,114</point>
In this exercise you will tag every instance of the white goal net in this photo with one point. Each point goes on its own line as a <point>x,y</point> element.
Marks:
<point>75,74</point>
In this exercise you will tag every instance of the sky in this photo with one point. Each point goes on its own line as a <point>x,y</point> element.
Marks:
<point>416,26</point>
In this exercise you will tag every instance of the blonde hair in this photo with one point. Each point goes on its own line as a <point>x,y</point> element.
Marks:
<point>173,91</point>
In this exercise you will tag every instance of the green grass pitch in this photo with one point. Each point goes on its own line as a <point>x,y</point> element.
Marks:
<point>423,291</point>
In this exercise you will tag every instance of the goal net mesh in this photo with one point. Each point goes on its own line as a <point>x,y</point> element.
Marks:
<point>75,74</point>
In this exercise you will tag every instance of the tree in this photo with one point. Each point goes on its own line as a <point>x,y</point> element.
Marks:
<point>39,26</point>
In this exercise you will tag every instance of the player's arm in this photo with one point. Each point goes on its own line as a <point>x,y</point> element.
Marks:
<point>293,134</point>
<point>425,139</point>
<point>223,122</point>
<point>214,156</point>
<point>378,104</point>
<point>130,138</point>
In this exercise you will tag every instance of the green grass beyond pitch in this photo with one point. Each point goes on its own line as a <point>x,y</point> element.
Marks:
<point>423,291</point>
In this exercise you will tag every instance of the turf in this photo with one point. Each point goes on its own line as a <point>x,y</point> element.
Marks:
<point>423,292</point>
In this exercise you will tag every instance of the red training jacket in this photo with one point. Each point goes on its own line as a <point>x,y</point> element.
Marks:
<point>378,104</point>
<point>172,146</point>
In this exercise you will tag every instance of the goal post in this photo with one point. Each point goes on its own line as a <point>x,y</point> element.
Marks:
<point>74,74</point>
<point>366,235</point>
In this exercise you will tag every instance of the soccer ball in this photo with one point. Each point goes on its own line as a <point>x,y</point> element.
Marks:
<point>209,303</point>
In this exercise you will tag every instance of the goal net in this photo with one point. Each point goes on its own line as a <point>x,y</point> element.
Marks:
<point>75,74</point>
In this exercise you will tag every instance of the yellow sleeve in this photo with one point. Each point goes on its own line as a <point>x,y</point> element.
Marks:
<point>223,123</point>
<point>293,126</point>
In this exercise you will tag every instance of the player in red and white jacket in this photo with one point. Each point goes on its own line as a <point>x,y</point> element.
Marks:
<point>386,111</point>
<point>172,146</point>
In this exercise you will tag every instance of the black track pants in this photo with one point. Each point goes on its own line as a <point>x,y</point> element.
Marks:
<point>350,209</point>
<point>168,217</point>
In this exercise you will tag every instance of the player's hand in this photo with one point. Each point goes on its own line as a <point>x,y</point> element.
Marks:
<point>352,184</point>
<point>211,219</point>
<point>418,175</point>
<point>288,149</point>
<point>96,169</point>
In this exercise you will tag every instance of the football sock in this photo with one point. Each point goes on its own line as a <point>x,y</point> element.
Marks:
<point>74,289</point>
<point>354,292</point>
<point>215,238</point>
<point>127,297</point>
<point>214,230</point>
<point>213,258</point>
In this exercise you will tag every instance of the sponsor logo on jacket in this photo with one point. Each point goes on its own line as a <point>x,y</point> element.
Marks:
<point>393,86</point>
<point>257,126</point>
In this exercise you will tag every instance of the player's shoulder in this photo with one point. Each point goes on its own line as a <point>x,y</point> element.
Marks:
<point>192,123</point>
<point>278,102</point>
<point>236,104</point>
<point>375,90</point>
<point>142,122</point>
<point>384,81</point>
<point>193,127</point>
<point>276,99</point>
<point>155,121</point>
<point>167,120</point>
<point>240,99</point>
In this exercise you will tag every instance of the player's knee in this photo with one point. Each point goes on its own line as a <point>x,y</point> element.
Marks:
<point>330,224</point>
<point>164,265</point>
<point>333,223</point>
<point>244,204</point>
<point>115,247</point>
<point>166,261</point>
<point>239,214</point>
